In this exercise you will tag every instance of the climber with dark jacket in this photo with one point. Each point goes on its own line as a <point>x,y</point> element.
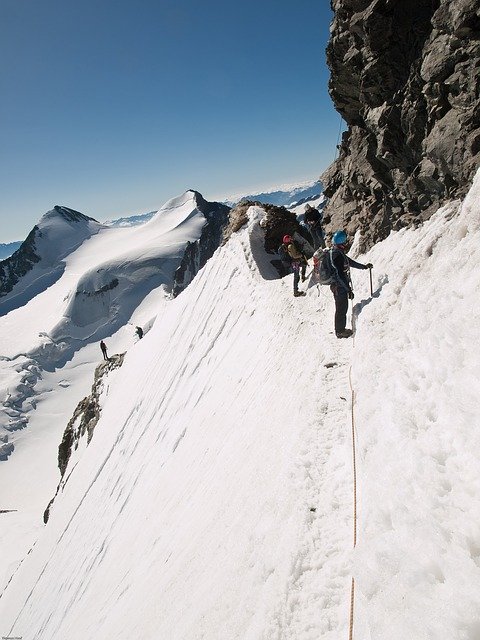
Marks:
<point>342,289</point>
<point>313,223</point>
<point>292,251</point>
<point>103,347</point>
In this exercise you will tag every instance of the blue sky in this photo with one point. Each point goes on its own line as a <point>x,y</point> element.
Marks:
<point>112,107</point>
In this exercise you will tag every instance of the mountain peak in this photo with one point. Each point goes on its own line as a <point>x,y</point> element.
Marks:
<point>68,214</point>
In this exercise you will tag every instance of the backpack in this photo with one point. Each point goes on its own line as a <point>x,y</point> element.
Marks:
<point>325,270</point>
<point>302,244</point>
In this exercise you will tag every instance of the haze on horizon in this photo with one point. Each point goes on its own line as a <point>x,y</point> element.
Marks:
<point>111,109</point>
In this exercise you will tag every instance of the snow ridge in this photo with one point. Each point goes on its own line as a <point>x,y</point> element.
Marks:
<point>219,480</point>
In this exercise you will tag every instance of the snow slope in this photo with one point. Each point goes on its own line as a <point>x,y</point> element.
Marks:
<point>103,282</point>
<point>116,279</point>
<point>219,479</point>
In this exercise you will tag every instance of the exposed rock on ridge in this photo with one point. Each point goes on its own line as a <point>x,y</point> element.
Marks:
<point>405,77</point>
<point>83,422</point>
<point>197,253</point>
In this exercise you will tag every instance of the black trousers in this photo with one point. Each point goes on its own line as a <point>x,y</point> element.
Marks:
<point>341,307</point>
<point>298,267</point>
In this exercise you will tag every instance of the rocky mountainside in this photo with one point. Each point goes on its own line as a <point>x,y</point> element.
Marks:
<point>83,422</point>
<point>405,77</point>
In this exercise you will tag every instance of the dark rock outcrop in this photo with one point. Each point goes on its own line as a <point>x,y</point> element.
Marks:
<point>197,253</point>
<point>83,422</point>
<point>59,232</point>
<point>276,222</point>
<point>405,76</point>
<point>19,263</point>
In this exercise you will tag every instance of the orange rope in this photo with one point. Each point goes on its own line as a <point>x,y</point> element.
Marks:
<point>352,592</point>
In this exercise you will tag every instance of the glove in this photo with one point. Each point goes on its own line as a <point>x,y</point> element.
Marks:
<point>369,265</point>
<point>350,295</point>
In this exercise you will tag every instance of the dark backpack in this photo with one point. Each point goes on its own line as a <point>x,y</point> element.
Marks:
<point>325,270</point>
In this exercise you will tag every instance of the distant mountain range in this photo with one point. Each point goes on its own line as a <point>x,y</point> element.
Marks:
<point>7,248</point>
<point>285,195</point>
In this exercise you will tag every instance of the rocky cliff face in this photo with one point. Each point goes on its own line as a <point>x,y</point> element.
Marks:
<point>405,77</point>
<point>81,426</point>
<point>197,253</point>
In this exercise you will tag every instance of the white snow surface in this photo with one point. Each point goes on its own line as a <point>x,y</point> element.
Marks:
<point>215,500</point>
<point>49,346</point>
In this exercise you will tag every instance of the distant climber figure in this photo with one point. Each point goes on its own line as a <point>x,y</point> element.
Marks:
<point>313,222</point>
<point>292,252</point>
<point>342,289</point>
<point>103,347</point>
<point>139,332</point>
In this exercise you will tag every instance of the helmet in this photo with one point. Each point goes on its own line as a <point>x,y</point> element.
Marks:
<point>339,237</point>
<point>287,239</point>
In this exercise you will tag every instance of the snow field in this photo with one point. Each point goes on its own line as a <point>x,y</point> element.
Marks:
<point>416,372</point>
<point>215,500</point>
<point>212,449</point>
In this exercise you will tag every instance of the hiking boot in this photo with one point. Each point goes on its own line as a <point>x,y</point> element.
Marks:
<point>346,333</point>
<point>298,294</point>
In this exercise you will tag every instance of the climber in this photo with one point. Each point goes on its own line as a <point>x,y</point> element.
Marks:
<point>103,347</point>
<point>290,250</point>
<point>139,332</point>
<point>313,223</point>
<point>342,288</point>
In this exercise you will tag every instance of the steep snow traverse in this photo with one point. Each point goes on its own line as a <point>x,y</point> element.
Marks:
<point>215,498</point>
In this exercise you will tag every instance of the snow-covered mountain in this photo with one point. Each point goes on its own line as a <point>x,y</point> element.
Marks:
<point>130,221</point>
<point>291,196</point>
<point>285,195</point>
<point>216,497</point>
<point>39,262</point>
<point>7,248</point>
<point>84,281</point>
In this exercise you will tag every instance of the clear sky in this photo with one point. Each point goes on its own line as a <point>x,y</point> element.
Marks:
<point>111,107</point>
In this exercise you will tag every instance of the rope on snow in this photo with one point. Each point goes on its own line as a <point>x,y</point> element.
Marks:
<point>352,591</point>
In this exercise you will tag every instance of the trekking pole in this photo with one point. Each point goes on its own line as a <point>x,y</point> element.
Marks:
<point>371,284</point>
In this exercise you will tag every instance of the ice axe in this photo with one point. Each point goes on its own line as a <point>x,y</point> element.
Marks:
<point>371,283</point>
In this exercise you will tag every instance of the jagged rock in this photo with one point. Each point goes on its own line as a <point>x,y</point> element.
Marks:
<point>405,78</point>
<point>276,222</point>
<point>83,421</point>
<point>197,253</point>
<point>58,233</point>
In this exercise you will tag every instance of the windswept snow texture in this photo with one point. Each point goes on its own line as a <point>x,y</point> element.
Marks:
<point>103,282</point>
<point>215,499</point>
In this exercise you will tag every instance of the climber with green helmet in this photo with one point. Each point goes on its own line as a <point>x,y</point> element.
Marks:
<point>342,287</point>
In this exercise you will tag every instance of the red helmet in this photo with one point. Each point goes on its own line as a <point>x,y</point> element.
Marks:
<point>287,239</point>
